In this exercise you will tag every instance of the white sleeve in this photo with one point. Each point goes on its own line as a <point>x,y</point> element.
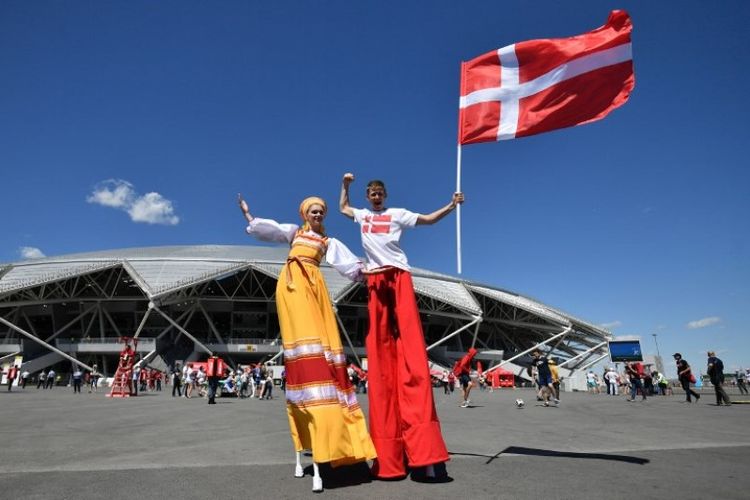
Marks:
<point>270,230</point>
<point>358,214</point>
<point>344,261</point>
<point>407,218</point>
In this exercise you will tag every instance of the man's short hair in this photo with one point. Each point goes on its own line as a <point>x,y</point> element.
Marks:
<point>375,183</point>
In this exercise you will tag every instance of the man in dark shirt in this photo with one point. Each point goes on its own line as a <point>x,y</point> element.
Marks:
<point>684,374</point>
<point>635,381</point>
<point>544,377</point>
<point>716,373</point>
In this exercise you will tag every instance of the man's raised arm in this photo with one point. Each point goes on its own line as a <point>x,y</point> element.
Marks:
<point>344,206</point>
<point>438,214</point>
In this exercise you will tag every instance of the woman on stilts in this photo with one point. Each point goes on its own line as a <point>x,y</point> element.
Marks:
<point>322,408</point>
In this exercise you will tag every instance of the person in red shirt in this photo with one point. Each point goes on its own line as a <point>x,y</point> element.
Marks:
<point>463,371</point>
<point>11,376</point>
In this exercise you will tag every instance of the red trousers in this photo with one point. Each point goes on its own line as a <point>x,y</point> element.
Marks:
<point>403,420</point>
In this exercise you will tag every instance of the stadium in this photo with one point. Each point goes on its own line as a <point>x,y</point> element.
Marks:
<point>182,302</point>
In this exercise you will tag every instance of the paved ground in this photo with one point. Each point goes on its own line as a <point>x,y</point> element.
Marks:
<point>57,445</point>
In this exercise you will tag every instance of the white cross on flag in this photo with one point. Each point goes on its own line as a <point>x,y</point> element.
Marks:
<point>540,85</point>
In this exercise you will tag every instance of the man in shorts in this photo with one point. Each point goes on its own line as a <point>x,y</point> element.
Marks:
<point>544,377</point>
<point>403,420</point>
<point>463,372</point>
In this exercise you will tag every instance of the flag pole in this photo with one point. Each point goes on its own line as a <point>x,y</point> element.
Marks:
<point>458,169</point>
<point>458,208</point>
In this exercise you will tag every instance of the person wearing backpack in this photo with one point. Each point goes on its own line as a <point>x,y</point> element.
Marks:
<point>685,375</point>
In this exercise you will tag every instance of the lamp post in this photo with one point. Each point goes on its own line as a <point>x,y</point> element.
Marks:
<point>658,355</point>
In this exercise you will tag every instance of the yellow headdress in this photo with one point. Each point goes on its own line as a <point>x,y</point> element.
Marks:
<point>305,206</point>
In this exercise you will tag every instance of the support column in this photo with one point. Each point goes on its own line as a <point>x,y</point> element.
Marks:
<point>562,333</point>
<point>346,335</point>
<point>43,343</point>
<point>181,329</point>
<point>477,320</point>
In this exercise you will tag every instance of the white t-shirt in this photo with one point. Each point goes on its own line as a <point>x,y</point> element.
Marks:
<point>381,232</point>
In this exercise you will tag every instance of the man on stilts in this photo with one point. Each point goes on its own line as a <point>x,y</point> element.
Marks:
<point>403,420</point>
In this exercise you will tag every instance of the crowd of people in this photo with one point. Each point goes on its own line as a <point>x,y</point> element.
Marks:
<point>250,381</point>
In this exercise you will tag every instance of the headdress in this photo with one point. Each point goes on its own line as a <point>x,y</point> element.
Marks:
<point>305,205</point>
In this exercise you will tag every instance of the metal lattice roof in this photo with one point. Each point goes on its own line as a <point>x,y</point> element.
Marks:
<point>39,272</point>
<point>449,292</point>
<point>162,270</point>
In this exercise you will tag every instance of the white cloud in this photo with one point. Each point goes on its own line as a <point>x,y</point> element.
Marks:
<point>611,325</point>
<point>703,323</point>
<point>114,193</point>
<point>31,253</point>
<point>151,208</point>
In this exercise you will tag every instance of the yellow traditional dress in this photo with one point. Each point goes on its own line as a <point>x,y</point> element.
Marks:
<point>322,407</point>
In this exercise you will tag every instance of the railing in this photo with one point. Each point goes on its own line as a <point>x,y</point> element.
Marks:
<point>109,344</point>
<point>256,341</point>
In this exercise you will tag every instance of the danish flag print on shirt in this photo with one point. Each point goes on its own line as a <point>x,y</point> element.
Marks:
<point>377,224</point>
<point>540,85</point>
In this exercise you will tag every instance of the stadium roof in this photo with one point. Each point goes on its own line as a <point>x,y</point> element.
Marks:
<point>162,271</point>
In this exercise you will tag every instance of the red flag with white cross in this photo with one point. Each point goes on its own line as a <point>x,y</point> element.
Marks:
<point>541,85</point>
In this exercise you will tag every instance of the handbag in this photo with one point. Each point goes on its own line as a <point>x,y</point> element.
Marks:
<point>692,378</point>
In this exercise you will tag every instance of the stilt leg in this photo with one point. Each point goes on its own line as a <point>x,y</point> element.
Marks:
<point>429,471</point>
<point>317,481</point>
<point>298,472</point>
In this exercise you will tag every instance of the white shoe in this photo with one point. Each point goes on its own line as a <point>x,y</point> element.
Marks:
<point>317,485</point>
<point>465,404</point>
<point>298,471</point>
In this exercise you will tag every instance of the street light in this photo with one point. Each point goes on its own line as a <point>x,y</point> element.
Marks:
<point>659,362</point>
<point>657,345</point>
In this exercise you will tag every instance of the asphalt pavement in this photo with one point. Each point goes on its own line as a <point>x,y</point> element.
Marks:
<point>59,445</point>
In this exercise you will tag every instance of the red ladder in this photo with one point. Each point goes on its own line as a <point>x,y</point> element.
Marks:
<point>120,386</point>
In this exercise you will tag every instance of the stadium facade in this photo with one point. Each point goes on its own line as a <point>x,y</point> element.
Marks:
<point>183,301</point>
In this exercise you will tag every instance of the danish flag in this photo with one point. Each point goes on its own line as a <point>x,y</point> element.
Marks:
<point>541,85</point>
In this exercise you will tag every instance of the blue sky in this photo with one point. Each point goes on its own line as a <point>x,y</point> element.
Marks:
<point>638,222</point>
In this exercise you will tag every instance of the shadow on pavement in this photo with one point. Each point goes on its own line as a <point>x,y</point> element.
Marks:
<point>517,450</point>
<point>343,476</point>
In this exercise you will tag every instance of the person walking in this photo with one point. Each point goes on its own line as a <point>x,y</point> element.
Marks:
<point>742,381</point>
<point>463,371</point>
<point>445,380</point>
<point>715,371</point>
<point>50,379</point>
<point>403,418</point>
<point>41,379</point>
<point>322,408</point>
<point>11,376</point>
<point>177,382</point>
<point>555,373</point>
<point>77,378</point>
<point>613,380</point>
<point>635,381</point>
<point>685,376</point>
<point>94,378</point>
<point>544,377</point>
<point>213,373</point>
